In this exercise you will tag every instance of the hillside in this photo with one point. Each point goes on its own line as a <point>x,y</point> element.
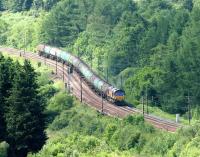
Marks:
<point>148,48</point>
<point>73,129</point>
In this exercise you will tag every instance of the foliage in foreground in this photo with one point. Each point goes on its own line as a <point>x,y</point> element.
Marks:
<point>22,119</point>
<point>4,149</point>
<point>77,130</point>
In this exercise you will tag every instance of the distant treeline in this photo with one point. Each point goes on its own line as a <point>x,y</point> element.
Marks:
<point>24,5</point>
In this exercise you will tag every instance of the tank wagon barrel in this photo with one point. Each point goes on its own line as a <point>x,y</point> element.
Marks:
<point>101,85</point>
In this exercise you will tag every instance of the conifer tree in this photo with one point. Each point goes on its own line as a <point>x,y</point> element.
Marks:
<point>6,77</point>
<point>2,123</point>
<point>24,116</point>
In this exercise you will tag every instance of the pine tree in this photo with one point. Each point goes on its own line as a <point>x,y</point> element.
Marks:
<point>6,77</point>
<point>24,116</point>
<point>2,122</point>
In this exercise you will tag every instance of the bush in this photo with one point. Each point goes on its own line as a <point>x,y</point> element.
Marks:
<point>88,143</point>
<point>47,91</point>
<point>134,119</point>
<point>61,121</point>
<point>159,144</point>
<point>126,137</point>
<point>110,130</point>
<point>4,149</point>
<point>189,131</point>
<point>60,102</point>
<point>192,148</point>
<point>43,78</point>
<point>186,142</point>
<point>178,147</point>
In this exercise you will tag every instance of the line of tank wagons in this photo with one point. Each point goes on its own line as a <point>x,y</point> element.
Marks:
<point>111,93</point>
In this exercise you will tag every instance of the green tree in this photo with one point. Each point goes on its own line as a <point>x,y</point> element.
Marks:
<point>4,149</point>
<point>17,5</point>
<point>2,105</point>
<point>6,78</point>
<point>144,80</point>
<point>3,31</point>
<point>124,46</point>
<point>63,24</point>
<point>48,4</point>
<point>188,4</point>
<point>24,117</point>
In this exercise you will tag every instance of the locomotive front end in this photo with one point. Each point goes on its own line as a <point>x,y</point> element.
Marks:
<point>119,95</point>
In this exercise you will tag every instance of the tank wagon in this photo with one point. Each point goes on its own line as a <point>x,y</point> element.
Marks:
<point>111,93</point>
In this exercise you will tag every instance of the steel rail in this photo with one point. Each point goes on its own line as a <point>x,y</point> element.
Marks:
<point>93,99</point>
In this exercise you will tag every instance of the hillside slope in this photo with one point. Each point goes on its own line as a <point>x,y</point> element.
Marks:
<point>144,47</point>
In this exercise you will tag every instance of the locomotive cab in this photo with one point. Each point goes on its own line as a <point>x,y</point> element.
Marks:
<point>119,95</point>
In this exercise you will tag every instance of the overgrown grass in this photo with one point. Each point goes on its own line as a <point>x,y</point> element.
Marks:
<point>40,67</point>
<point>160,113</point>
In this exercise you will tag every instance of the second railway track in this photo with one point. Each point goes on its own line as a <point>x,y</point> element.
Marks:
<point>90,97</point>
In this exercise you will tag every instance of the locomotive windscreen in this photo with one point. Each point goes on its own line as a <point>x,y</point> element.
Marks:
<point>120,93</point>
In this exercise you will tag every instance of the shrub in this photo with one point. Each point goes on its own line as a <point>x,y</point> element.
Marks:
<point>134,119</point>
<point>4,149</point>
<point>178,147</point>
<point>159,144</point>
<point>126,137</point>
<point>88,143</point>
<point>192,148</point>
<point>110,130</point>
<point>60,102</point>
<point>47,91</point>
<point>61,121</point>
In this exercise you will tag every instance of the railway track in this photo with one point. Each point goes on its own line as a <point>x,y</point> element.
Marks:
<point>89,97</point>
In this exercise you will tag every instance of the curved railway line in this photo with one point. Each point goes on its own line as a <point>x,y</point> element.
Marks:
<point>89,97</point>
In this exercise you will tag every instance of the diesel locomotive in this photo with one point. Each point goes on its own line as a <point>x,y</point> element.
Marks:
<point>111,93</point>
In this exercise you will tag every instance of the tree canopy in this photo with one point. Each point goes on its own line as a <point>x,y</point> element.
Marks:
<point>22,120</point>
<point>114,37</point>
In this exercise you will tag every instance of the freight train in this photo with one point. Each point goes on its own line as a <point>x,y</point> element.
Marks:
<point>111,93</point>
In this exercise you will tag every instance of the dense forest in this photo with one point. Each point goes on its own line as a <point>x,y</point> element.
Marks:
<point>151,46</point>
